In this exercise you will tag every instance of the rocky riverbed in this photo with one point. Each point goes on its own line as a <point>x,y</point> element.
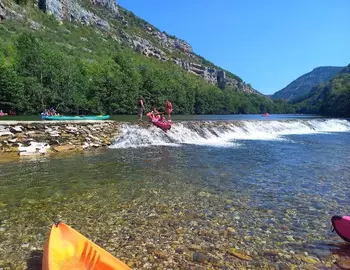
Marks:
<point>44,137</point>
<point>257,205</point>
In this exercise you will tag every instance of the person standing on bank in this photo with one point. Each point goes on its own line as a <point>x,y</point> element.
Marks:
<point>140,107</point>
<point>168,109</point>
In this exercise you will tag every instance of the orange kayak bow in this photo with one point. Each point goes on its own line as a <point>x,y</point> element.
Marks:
<point>67,249</point>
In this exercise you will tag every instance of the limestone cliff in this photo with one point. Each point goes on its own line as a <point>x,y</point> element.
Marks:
<point>165,45</point>
<point>2,11</point>
<point>125,28</point>
<point>71,10</point>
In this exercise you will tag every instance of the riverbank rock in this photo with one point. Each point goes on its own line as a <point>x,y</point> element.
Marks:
<point>16,129</point>
<point>43,137</point>
<point>4,131</point>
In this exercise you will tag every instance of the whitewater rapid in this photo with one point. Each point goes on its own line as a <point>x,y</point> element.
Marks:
<point>223,133</point>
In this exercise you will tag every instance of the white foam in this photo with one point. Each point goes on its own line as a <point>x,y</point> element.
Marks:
<point>136,136</point>
<point>223,134</point>
<point>33,148</point>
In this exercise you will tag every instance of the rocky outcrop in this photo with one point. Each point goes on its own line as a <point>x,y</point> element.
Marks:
<point>147,48</point>
<point>2,11</point>
<point>143,46</point>
<point>111,5</point>
<point>72,11</point>
<point>211,75</point>
<point>182,45</point>
<point>42,137</point>
<point>169,42</point>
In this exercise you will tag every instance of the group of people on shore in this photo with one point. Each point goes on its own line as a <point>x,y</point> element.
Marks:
<point>168,108</point>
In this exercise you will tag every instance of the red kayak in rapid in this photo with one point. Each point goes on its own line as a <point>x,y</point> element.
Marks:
<point>341,225</point>
<point>163,124</point>
<point>265,114</point>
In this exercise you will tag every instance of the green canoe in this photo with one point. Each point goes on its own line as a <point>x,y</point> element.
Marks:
<point>83,117</point>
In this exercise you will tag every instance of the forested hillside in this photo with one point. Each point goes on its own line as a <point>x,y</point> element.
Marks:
<point>303,85</point>
<point>48,62</point>
<point>329,98</point>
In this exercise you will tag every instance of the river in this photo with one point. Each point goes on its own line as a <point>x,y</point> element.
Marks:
<point>208,193</point>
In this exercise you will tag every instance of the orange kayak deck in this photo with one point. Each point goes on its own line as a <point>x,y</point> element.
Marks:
<point>67,249</point>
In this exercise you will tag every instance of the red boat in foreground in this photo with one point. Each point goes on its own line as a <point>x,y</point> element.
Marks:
<point>341,224</point>
<point>159,122</point>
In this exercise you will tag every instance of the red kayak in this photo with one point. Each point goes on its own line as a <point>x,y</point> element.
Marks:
<point>159,122</point>
<point>265,114</point>
<point>341,225</point>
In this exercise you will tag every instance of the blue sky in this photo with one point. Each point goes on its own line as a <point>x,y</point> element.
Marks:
<point>268,43</point>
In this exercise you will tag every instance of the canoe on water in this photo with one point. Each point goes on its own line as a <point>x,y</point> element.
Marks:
<point>77,117</point>
<point>164,125</point>
<point>67,249</point>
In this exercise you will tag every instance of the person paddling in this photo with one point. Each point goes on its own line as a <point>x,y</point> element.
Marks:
<point>168,109</point>
<point>155,113</point>
<point>162,118</point>
<point>140,107</point>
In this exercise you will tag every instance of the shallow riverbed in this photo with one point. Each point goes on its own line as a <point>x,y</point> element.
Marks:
<point>257,203</point>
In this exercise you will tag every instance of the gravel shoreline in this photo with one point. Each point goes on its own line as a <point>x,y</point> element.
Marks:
<point>42,137</point>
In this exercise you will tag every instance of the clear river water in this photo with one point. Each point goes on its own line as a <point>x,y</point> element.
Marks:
<point>211,193</point>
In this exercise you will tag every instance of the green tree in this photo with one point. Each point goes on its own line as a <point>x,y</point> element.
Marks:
<point>11,89</point>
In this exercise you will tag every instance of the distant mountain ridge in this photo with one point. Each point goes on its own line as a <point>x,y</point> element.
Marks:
<point>328,98</point>
<point>303,85</point>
